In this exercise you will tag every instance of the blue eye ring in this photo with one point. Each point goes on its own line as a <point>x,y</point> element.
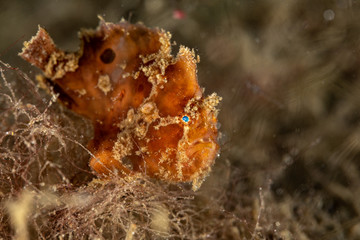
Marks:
<point>185,119</point>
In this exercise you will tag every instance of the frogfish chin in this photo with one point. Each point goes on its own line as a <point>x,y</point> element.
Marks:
<point>147,108</point>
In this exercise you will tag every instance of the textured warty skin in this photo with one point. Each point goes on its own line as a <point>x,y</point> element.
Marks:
<point>148,110</point>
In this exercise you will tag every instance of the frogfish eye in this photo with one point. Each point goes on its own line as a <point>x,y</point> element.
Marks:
<point>185,119</point>
<point>107,56</point>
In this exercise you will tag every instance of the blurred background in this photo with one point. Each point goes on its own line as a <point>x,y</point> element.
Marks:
<point>288,72</point>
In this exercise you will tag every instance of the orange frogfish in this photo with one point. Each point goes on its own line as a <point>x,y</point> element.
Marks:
<point>147,108</point>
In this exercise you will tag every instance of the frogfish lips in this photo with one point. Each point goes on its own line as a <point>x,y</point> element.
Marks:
<point>201,150</point>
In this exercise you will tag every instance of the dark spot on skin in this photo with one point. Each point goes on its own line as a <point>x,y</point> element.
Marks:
<point>107,56</point>
<point>140,88</point>
<point>127,162</point>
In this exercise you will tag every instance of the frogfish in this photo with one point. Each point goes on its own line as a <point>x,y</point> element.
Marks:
<point>150,115</point>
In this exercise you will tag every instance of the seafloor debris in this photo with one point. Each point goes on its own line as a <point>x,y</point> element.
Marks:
<point>148,111</point>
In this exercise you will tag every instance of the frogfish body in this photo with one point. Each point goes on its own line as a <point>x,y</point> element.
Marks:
<point>148,111</point>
